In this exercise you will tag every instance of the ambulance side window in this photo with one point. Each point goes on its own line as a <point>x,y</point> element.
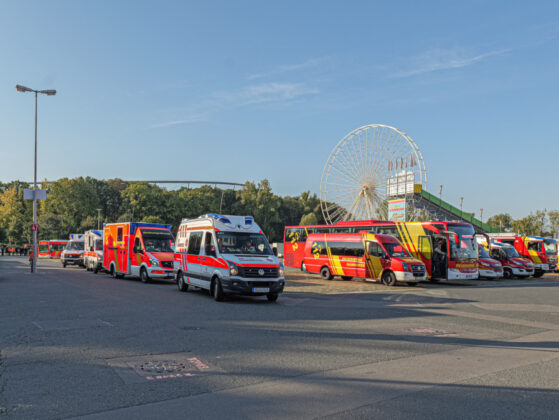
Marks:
<point>119,235</point>
<point>194,243</point>
<point>137,245</point>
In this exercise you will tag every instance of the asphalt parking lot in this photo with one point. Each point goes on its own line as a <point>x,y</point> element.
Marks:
<point>74,344</point>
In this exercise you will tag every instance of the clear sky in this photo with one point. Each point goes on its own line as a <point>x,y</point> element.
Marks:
<point>239,90</point>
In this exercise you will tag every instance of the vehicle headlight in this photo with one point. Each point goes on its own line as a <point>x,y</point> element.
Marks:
<point>99,258</point>
<point>154,262</point>
<point>233,270</point>
<point>281,270</point>
<point>405,267</point>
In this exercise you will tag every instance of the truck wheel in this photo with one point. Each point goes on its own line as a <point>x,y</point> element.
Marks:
<point>112,272</point>
<point>64,265</point>
<point>507,273</point>
<point>272,297</point>
<point>538,274</point>
<point>217,291</point>
<point>326,274</point>
<point>183,287</point>
<point>389,279</point>
<point>346,278</point>
<point>144,275</point>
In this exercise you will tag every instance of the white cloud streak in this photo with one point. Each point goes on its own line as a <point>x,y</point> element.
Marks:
<point>310,63</point>
<point>436,60</point>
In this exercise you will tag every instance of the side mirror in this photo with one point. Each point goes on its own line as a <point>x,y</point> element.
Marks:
<point>275,251</point>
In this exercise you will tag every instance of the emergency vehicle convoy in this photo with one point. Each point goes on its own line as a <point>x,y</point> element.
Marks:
<point>447,249</point>
<point>542,254</point>
<point>93,255</point>
<point>73,253</point>
<point>513,264</point>
<point>366,255</point>
<point>51,248</point>
<point>227,255</point>
<point>143,250</point>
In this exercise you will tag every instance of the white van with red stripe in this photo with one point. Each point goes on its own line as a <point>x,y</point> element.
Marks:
<point>227,255</point>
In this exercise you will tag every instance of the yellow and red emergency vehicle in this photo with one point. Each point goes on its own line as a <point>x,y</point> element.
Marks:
<point>364,254</point>
<point>137,249</point>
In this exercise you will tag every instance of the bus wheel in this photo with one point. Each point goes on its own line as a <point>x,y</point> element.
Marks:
<point>507,273</point>
<point>389,279</point>
<point>217,291</point>
<point>183,287</point>
<point>346,278</point>
<point>144,275</point>
<point>272,297</point>
<point>326,274</point>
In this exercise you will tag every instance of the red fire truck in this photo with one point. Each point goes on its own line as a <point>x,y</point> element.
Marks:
<point>367,255</point>
<point>144,250</point>
<point>447,249</point>
<point>531,248</point>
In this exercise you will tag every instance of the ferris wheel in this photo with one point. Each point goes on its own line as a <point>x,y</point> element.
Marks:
<point>367,167</point>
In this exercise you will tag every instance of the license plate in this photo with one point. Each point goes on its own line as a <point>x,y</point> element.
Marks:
<point>260,289</point>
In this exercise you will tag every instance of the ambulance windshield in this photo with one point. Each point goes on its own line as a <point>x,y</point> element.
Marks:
<point>158,240</point>
<point>75,246</point>
<point>243,243</point>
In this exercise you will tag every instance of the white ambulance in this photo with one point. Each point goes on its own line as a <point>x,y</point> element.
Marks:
<point>227,255</point>
<point>93,255</point>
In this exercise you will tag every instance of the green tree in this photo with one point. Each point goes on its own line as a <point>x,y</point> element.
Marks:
<point>501,222</point>
<point>308,219</point>
<point>553,216</point>
<point>16,214</point>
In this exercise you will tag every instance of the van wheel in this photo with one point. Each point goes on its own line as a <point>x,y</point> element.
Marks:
<point>389,279</point>
<point>64,265</point>
<point>326,274</point>
<point>144,275</point>
<point>507,273</point>
<point>272,297</point>
<point>217,291</point>
<point>112,271</point>
<point>96,270</point>
<point>346,278</point>
<point>183,287</point>
<point>538,274</point>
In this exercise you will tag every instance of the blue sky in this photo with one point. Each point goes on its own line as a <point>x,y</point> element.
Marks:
<point>237,91</point>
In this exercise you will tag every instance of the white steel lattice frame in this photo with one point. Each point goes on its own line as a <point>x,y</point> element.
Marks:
<point>353,182</point>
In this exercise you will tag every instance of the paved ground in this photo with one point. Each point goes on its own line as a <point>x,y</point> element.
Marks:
<point>76,344</point>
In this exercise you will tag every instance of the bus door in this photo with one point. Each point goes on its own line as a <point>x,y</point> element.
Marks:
<point>440,256</point>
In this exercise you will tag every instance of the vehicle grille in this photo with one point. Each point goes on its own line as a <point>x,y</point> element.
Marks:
<point>166,264</point>
<point>418,270</point>
<point>254,271</point>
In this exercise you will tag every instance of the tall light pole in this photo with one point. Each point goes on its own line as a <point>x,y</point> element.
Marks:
<point>98,218</point>
<point>49,92</point>
<point>461,213</point>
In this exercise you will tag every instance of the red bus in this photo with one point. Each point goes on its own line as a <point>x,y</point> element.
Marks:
<point>448,249</point>
<point>51,248</point>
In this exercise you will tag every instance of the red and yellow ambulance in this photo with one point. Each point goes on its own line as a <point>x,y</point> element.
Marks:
<point>144,250</point>
<point>366,255</point>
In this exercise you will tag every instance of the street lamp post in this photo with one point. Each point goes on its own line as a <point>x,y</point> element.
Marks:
<point>461,213</point>
<point>49,92</point>
<point>99,218</point>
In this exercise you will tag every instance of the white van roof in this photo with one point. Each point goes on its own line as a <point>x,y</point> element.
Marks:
<point>225,223</point>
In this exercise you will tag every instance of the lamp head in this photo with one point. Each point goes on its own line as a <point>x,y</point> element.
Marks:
<point>21,88</point>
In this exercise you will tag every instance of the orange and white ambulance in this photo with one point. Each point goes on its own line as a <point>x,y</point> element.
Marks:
<point>371,256</point>
<point>93,255</point>
<point>144,250</point>
<point>227,255</point>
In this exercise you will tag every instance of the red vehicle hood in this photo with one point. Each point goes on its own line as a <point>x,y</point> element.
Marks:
<point>163,256</point>
<point>490,262</point>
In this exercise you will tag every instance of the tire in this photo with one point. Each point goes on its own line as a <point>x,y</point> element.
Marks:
<point>183,287</point>
<point>326,274</point>
<point>112,272</point>
<point>272,297</point>
<point>389,279</point>
<point>96,269</point>
<point>538,274</point>
<point>507,273</point>
<point>63,265</point>
<point>144,275</point>
<point>303,268</point>
<point>346,278</point>
<point>217,291</point>
<point>412,283</point>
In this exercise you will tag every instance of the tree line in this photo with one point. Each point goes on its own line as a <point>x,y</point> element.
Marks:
<point>78,204</point>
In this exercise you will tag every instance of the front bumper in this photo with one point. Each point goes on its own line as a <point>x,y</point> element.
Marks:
<point>455,274</point>
<point>490,274</point>
<point>74,261</point>
<point>522,272</point>
<point>161,273</point>
<point>408,276</point>
<point>240,286</point>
